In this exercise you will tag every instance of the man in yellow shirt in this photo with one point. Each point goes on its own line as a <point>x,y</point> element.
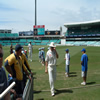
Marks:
<point>15,66</point>
<point>25,62</point>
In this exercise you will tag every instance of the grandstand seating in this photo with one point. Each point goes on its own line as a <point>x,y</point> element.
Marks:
<point>33,43</point>
<point>58,41</point>
<point>14,44</point>
<point>30,40</point>
<point>4,44</point>
<point>15,41</point>
<point>37,41</point>
<point>2,35</point>
<point>22,40</point>
<point>21,43</point>
<point>25,42</point>
<point>6,41</point>
<point>45,41</point>
<point>8,38</point>
<point>80,43</point>
<point>15,35</point>
<point>8,44</point>
<point>53,41</point>
<point>8,35</point>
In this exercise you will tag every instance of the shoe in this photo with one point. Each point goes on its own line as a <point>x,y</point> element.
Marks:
<point>65,73</point>
<point>83,83</point>
<point>42,64</point>
<point>67,76</point>
<point>52,94</point>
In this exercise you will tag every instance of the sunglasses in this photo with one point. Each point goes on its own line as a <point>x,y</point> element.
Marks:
<point>1,55</point>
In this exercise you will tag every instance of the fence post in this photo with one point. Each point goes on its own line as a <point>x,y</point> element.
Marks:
<point>28,90</point>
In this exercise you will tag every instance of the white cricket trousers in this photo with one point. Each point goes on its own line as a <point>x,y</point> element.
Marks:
<point>52,76</point>
<point>30,54</point>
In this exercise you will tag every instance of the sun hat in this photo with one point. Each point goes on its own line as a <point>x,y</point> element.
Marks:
<point>52,44</point>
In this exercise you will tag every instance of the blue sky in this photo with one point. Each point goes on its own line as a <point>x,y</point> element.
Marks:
<point>19,15</point>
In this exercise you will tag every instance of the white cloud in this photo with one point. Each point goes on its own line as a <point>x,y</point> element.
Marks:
<point>19,15</point>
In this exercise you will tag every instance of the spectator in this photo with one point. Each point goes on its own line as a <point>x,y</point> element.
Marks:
<point>10,79</point>
<point>14,65</point>
<point>67,58</point>
<point>43,56</point>
<point>13,93</point>
<point>50,67</point>
<point>48,48</point>
<point>3,78</point>
<point>30,50</point>
<point>25,52</point>
<point>11,49</point>
<point>84,63</point>
<point>39,54</point>
<point>25,62</point>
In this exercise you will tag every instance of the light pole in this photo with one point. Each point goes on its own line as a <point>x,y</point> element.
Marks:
<point>35,14</point>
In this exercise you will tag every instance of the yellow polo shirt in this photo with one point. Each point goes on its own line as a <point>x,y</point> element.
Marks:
<point>25,62</point>
<point>16,66</point>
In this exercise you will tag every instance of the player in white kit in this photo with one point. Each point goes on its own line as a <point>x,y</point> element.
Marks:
<point>50,67</point>
<point>30,50</point>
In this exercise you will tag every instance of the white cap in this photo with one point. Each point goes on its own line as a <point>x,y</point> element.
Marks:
<point>52,44</point>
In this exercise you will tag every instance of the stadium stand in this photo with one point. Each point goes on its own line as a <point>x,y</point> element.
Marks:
<point>22,40</point>
<point>14,41</point>
<point>6,38</point>
<point>28,40</point>
<point>83,33</point>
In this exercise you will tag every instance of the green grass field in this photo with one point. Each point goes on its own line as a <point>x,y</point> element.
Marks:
<point>67,88</point>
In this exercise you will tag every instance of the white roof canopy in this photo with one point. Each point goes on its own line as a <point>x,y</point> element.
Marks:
<point>95,22</point>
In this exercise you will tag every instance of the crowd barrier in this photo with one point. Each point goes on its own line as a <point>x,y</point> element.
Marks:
<point>28,91</point>
<point>7,90</point>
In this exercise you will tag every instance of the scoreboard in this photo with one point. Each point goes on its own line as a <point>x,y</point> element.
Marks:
<point>52,32</point>
<point>39,30</point>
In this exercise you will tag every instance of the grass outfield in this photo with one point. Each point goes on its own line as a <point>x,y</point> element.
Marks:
<point>67,88</point>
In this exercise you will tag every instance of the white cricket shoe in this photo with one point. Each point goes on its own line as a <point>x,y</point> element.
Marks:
<point>83,83</point>
<point>52,94</point>
<point>67,76</point>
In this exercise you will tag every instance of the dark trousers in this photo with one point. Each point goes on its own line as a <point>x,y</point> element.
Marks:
<point>19,87</point>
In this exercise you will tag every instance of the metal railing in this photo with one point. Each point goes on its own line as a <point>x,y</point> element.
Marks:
<point>7,90</point>
<point>28,90</point>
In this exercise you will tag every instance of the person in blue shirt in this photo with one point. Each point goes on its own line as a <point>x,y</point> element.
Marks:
<point>3,78</point>
<point>39,54</point>
<point>10,78</point>
<point>67,58</point>
<point>84,63</point>
<point>43,56</point>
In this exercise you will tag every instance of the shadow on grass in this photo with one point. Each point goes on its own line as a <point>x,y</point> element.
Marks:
<point>72,74</point>
<point>35,60</point>
<point>63,91</point>
<point>34,73</point>
<point>90,83</point>
<point>36,92</point>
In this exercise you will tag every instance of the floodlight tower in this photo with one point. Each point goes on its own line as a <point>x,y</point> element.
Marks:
<point>35,13</point>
